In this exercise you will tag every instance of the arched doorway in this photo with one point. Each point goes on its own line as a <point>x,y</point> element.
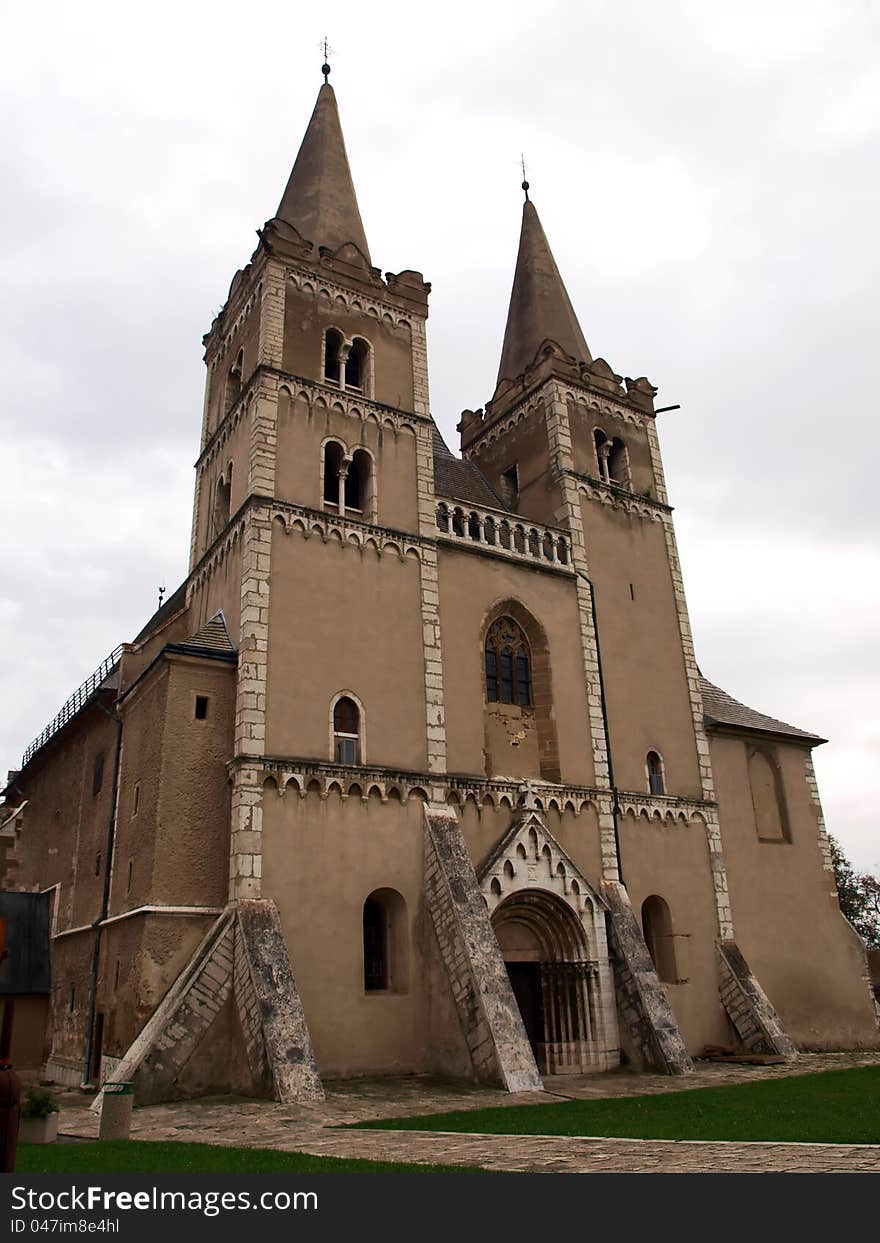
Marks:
<point>554,975</point>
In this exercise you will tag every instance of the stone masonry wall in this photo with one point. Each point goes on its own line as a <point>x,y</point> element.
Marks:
<point>489,1015</point>
<point>757,1024</point>
<point>643,1007</point>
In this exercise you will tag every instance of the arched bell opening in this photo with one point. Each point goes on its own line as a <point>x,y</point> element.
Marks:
<point>555,977</point>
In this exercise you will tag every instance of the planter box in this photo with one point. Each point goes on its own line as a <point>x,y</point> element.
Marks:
<point>38,1130</point>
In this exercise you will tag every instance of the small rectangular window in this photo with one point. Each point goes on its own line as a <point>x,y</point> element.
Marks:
<point>136,800</point>
<point>72,1001</point>
<point>116,976</point>
<point>201,707</point>
<point>98,864</point>
<point>130,870</point>
<point>510,486</point>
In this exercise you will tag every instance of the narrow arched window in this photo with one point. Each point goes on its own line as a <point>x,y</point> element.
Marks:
<point>603,448</point>
<point>346,731</point>
<point>656,781</point>
<point>508,664</point>
<point>358,481</point>
<point>333,455</point>
<point>333,342</point>
<point>233,383</point>
<point>222,501</point>
<point>356,365</point>
<point>375,946</point>
<point>618,467</point>
<point>657,927</point>
<point>385,942</point>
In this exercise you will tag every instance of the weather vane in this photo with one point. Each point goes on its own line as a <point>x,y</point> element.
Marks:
<point>325,47</point>
<point>525,184</point>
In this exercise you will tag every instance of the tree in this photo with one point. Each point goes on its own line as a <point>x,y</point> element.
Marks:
<point>859,897</point>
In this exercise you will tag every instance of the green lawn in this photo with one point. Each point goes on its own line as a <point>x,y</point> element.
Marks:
<point>138,1157</point>
<point>834,1107</point>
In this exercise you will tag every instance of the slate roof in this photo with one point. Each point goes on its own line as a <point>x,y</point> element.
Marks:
<point>459,480</point>
<point>213,639</point>
<point>722,709</point>
<point>172,605</point>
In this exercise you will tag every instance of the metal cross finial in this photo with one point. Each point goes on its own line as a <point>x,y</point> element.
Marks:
<point>525,184</point>
<point>325,47</point>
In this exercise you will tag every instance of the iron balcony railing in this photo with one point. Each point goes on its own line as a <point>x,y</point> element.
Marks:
<point>75,703</point>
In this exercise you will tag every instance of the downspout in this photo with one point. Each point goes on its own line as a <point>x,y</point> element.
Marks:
<point>105,897</point>
<point>615,801</point>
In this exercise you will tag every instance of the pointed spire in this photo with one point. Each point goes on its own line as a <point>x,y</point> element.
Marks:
<point>540,308</point>
<point>319,200</point>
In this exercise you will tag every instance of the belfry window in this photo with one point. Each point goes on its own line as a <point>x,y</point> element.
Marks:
<point>346,732</point>
<point>508,664</point>
<point>356,365</point>
<point>233,383</point>
<point>656,781</point>
<point>357,481</point>
<point>333,455</point>
<point>333,342</point>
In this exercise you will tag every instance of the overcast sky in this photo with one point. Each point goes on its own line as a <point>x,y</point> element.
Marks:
<point>708,175</point>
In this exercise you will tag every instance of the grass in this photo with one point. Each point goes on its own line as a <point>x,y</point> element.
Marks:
<point>833,1107</point>
<point>140,1157</point>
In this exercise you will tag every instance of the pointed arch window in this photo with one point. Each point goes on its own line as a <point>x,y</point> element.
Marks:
<point>508,664</point>
<point>346,731</point>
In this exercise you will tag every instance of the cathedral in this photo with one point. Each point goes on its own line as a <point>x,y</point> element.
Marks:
<point>416,772</point>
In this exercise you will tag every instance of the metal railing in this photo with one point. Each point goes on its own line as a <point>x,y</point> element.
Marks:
<point>75,703</point>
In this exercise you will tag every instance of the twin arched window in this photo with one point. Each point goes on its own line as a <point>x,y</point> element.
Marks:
<point>347,366</point>
<point>611,459</point>
<point>348,481</point>
<point>508,664</point>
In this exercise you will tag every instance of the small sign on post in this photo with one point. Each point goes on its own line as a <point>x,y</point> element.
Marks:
<point>116,1106</point>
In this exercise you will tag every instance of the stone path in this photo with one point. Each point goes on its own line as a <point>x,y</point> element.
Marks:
<point>308,1128</point>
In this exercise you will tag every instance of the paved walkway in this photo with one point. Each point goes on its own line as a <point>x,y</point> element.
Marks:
<point>308,1128</point>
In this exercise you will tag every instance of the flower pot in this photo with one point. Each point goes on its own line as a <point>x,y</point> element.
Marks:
<point>38,1130</point>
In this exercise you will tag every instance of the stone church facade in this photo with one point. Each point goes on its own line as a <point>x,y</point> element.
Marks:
<point>416,771</point>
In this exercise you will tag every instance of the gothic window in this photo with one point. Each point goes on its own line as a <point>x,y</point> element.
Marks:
<point>222,501</point>
<point>657,927</point>
<point>333,455</point>
<point>333,342</point>
<point>358,480</point>
<point>356,365</point>
<point>385,942</point>
<point>233,383</point>
<point>346,732</point>
<point>508,664</point>
<point>656,781</point>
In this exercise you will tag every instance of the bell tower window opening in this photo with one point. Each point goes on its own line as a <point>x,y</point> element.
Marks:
<point>356,365</point>
<point>358,481</point>
<point>233,384</point>
<point>603,450</point>
<point>346,731</point>
<point>508,664</point>
<point>618,467</point>
<point>656,778</point>
<point>509,488</point>
<point>334,454</point>
<point>333,343</point>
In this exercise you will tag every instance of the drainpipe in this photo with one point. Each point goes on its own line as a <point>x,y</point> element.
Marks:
<point>105,897</point>
<point>615,801</point>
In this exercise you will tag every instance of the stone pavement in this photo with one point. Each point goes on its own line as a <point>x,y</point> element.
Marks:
<point>308,1127</point>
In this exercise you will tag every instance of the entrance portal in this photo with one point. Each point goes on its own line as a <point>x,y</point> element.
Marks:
<point>554,980</point>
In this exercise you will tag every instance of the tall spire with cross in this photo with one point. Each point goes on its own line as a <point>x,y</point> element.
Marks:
<point>319,199</point>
